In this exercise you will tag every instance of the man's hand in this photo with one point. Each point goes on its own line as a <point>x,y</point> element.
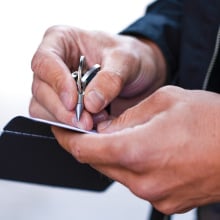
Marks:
<point>129,67</point>
<point>165,150</point>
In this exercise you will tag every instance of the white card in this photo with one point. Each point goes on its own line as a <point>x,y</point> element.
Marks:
<point>61,125</point>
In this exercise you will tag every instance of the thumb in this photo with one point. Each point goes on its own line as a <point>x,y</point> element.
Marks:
<point>102,90</point>
<point>146,110</point>
<point>130,118</point>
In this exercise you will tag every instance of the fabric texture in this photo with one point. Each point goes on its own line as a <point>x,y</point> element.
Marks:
<point>188,34</point>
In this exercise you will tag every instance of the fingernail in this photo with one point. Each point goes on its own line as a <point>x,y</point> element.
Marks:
<point>100,117</point>
<point>104,125</point>
<point>96,99</point>
<point>78,124</point>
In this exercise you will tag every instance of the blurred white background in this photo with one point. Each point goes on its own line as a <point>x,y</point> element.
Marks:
<point>23,24</point>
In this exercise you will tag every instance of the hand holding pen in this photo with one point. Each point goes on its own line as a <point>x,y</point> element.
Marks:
<point>127,70</point>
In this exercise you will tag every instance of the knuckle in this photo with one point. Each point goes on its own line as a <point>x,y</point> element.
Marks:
<point>40,68</point>
<point>47,60</point>
<point>41,62</point>
<point>125,117</point>
<point>59,81</point>
<point>164,95</point>
<point>32,108</point>
<point>36,62</point>
<point>165,207</point>
<point>168,91</point>
<point>58,30</point>
<point>35,87</point>
<point>145,191</point>
<point>140,189</point>
<point>163,92</point>
<point>53,29</point>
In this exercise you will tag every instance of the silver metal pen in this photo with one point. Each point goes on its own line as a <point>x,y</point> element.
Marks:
<point>83,78</point>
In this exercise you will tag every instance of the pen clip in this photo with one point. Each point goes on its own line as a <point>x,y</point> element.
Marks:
<point>89,75</point>
<point>80,71</point>
<point>82,79</point>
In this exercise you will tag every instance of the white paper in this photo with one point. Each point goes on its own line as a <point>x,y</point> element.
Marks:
<point>61,125</point>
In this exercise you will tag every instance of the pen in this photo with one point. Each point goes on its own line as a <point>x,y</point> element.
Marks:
<point>82,80</point>
<point>79,106</point>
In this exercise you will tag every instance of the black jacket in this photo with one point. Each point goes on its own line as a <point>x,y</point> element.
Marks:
<point>187,33</point>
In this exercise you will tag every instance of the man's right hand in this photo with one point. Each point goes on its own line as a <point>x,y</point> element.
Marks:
<point>129,67</point>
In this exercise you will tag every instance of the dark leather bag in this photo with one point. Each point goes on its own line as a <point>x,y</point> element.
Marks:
<point>30,153</point>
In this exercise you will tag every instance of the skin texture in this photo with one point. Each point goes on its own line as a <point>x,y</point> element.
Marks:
<point>165,149</point>
<point>127,64</point>
<point>163,143</point>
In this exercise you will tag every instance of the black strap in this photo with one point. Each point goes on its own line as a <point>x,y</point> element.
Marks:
<point>30,153</point>
<point>156,215</point>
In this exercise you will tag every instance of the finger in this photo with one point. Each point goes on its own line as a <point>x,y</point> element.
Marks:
<point>50,107</point>
<point>109,161</point>
<point>49,100</point>
<point>101,116</point>
<point>50,68</point>
<point>86,121</point>
<point>102,90</point>
<point>139,114</point>
<point>110,149</point>
<point>92,148</point>
<point>106,159</point>
<point>130,118</point>
<point>38,111</point>
<point>115,72</point>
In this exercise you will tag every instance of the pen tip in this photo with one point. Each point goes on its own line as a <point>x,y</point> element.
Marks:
<point>78,111</point>
<point>77,117</point>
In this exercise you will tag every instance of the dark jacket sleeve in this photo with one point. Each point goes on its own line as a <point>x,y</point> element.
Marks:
<point>161,24</point>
